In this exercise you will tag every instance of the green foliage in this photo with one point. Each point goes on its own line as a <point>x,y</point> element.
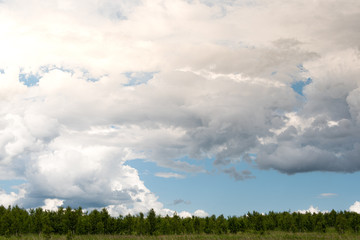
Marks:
<point>151,218</point>
<point>71,223</point>
<point>234,224</point>
<point>341,223</point>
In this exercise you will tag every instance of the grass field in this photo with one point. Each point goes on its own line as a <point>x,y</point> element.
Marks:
<point>244,236</point>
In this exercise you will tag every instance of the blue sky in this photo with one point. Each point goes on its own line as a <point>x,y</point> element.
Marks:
<point>199,107</point>
<point>269,191</point>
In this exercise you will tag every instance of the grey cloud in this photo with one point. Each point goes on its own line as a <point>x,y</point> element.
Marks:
<point>237,175</point>
<point>327,149</point>
<point>181,201</point>
<point>330,141</point>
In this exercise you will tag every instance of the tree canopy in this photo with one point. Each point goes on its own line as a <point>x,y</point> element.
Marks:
<point>17,221</point>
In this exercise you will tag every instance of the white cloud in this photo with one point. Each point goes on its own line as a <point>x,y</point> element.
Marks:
<point>169,175</point>
<point>355,207</point>
<point>197,213</point>
<point>310,210</point>
<point>200,213</point>
<point>185,214</point>
<point>327,195</point>
<point>12,198</point>
<point>52,204</point>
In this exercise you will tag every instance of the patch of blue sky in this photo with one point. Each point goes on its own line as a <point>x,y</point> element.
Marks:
<point>137,78</point>
<point>298,86</point>
<point>120,16</point>
<point>92,79</point>
<point>2,71</point>
<point>302,68</point>
<point>48,68</point>
<point>89,77</point>
<point>11,185</point>
<point>86,74</point>
<point>29,79</point>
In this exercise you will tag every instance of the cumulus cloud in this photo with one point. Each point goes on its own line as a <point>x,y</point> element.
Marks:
<point>197,213</point>
<point>12,198</point>
<point>355,207</point>
<point>52,204</point>
<point>184,214</point>
<point>323,135</point>
<point>310,210</point>
<point>220,88</point>
<point>200,213</point>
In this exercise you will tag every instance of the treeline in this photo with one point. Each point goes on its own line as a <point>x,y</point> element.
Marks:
<point>17,221</point>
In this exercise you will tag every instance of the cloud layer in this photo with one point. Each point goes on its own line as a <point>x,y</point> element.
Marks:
<point>169,80</point>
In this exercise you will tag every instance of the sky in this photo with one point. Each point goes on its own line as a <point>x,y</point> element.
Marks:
<point>197,107</point>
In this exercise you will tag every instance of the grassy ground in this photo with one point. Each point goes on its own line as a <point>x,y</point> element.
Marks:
<point>240,236</point>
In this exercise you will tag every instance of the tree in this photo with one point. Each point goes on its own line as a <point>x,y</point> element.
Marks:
<point>197,225</point>
<point>120,225</point>
<point>188,225</point>
<point>83,225</point>
<point>99,227</point>
<point>94,219</point>
<point>140,225</point>
<point>355,222</point>
<point>46,226</point>
<point>285,221</point>
<point>105,216</point>
<point>165,225</point>
<point>330,218</point>
<point>210,223</point>
<point>37,220</point>
<point>176,224</point>
<point>151,218</point>
<point>340,223</point>
<point>221,225</point>
<point>128,224</point>
<point>320,223</point>
<point>234,225</point>
<point>258,222</point>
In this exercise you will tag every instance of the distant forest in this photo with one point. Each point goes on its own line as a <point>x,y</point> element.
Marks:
<point>17,221</point>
